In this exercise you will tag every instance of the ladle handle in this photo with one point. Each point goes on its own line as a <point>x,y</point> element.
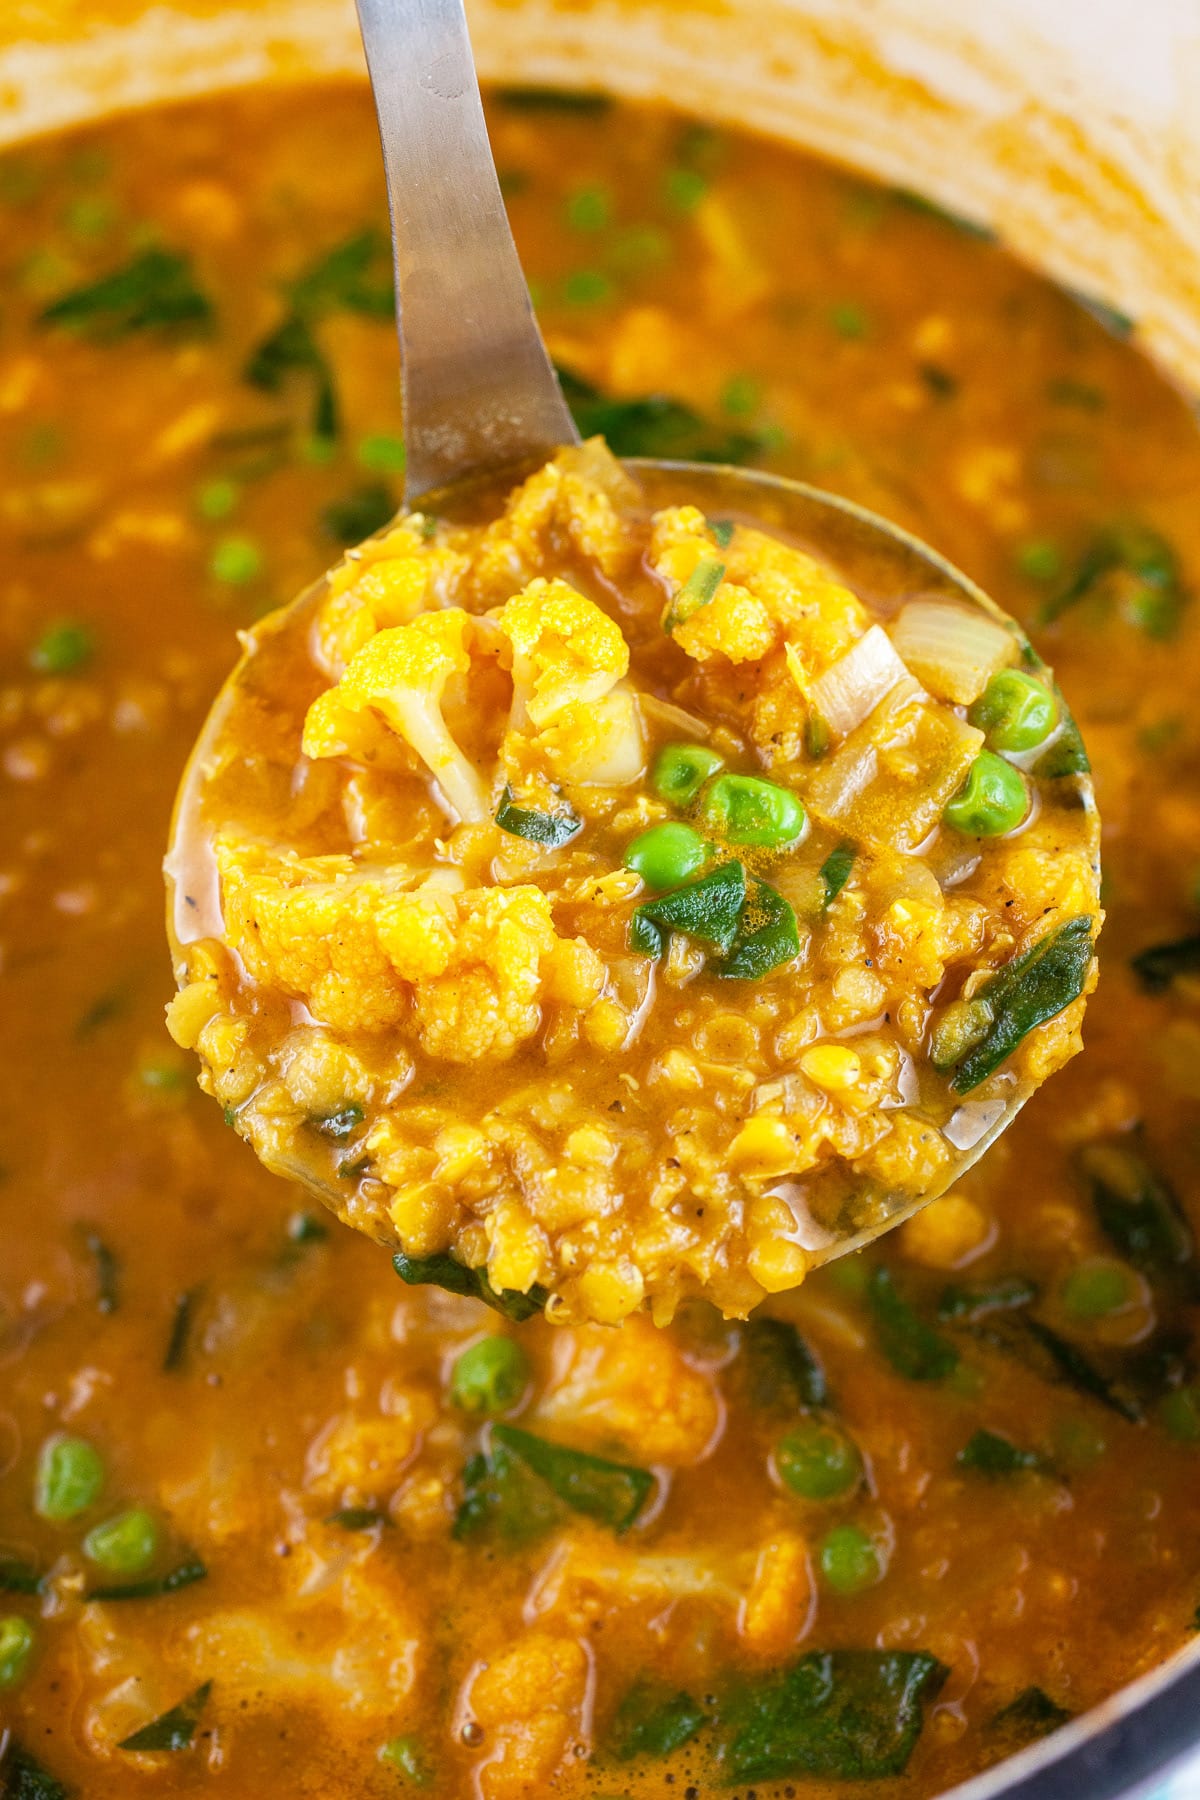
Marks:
<point>479,389</point>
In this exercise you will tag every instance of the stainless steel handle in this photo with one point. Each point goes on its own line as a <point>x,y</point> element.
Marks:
<point>479,389</point>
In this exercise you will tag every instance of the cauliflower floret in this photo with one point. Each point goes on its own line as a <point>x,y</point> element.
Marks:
<point>635,1387</point>
<point>401,675</point>
<point>583,495</point>
<point>530,1702</point>
<point>357,1458</point>
<point>564,650</point>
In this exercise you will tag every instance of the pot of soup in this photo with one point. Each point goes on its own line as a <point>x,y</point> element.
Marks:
<point>280,1516</point>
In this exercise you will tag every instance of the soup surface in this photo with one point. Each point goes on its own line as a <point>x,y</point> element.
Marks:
<point>269,1519</point>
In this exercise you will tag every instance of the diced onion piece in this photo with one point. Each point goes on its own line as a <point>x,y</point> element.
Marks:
<point>676,718</point>
<point>953,650</point>
<point>855,684</point>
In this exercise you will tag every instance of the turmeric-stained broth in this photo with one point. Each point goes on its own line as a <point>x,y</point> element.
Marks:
<point>973,1446</point>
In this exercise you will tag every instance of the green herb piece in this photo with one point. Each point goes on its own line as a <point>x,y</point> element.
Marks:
<point>550,830</point>
<point>181,1326</point>
<point>22,1777</point>
<point>155,291</point>
<point>912,1346</point>
<point>217,499</point>
<point>767,936</point>
<point>187,1571</point>
<point>957,1029</point>
<point>1031,1715</point>
<point>1117,323</point>
<point>1040,559</point>
<point>444,1272</point>
<point>1132,568</point>
<point>546,99</point>
<point>835,871</point>
<point>356,1518</point>
<point>782,1375</point>
<point>653,1720</point>
<point>1025,993</point>
<point>697,591</point>
<point>406,1755</point>
<point>1065,390</point>
<point>741,396</point>
<point>1016,711</point>
<point>490,1376</point>
<point>967,1305</point>
<point>987,1453</point>
<point>108,1271</point>
<point>502,1487</point>
<point>1097,1289</point>
<point>352,276</point>
<point>291,349</point>
<point>848,1560</point>
<point>930,209</point>
<point>124,1545</point>
<point>847,1715</point>
<point>341,1125</point>
<point>1068,1363</point>
<point>587,287</point>
<point>744,809</point>
<point>849,319</point>
<point>382,454</point>
<point>306,1228</point>
<point>1161,964</point>
<point>992,800</point>
<point>818,1461</point>
<point>722,531</point>
<point>172,1730</point>
<point>589,208</point>
<point>680,771</point>
<point>684,189</point>
<point>17,1644</point>
<point>63,649</point>
<point>1179,1414</point>
<point>666,855</point>
<point>708,908</point>
<point>17,1576</point>
<point>235,561</point>
<point>69,1478</point>
<point>652,425</point>
<point>1065,755</point>
<point>358,514</point>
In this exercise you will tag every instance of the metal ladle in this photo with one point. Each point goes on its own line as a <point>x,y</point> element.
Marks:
<point>481,398</point>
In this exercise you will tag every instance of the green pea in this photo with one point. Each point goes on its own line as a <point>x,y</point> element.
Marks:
<point>16,1649</point>
<point>667,854</point>
<point>124,1545</point>
<point>406,1755</point>
<point>382,453</point>
<point>589,209</point>
<point>681,770</point>
<point>216,499</point>
<point>743,809</point>
<point>490,1377</point>
<point>62,649</point>
<point>1096,1290</point>
<point>70,1477</point>
<point>1180,1414</point>
<point>818,1461</point>
<point>1015,711</point>
<point>992,800</point>
<point>236,560</point>
<point>848,1559</point>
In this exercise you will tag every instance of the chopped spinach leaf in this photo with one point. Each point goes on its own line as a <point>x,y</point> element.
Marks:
<point>18,1576</point>
<point>22,1777</point>
<point>835,871</point>
<point>842,1714</point>
<point>549,99</point>
<point>306,1228</point>
<point>968,1304</point>
<point>108,1271</point>
<point>708,908</point>
<point>1119,324</point>
<point>781,1373</point>
<point>190,1569</point>
<point>722,530</point>
<point>1132,568</point>
<point>518,1482</point>
<point>172,1730</point>
<point>341,1125</point>
<point>103,1010</point>
<point>653,1720</point>
<point>1066,754</point>
<point>1031,1715</point>
<point>912,1346</point>
<point>1027,991</point>
<point>1070,1364</point>
<point>988,1453</point>
<point>1136,1209</point>
<point>154,291</point>
<point>358,514</point>
<point>181,1327</point>
<point>767,936</point>
<point>550,830</point>
<point>291,349</point>
<point>354,276</point>
<point>356,1518</point>
<point>456,1278</point>
<point>1157,967</point>
<point>653,425</point>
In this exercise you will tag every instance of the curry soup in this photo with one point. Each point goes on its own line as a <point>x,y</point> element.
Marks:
<point>272,1521</point>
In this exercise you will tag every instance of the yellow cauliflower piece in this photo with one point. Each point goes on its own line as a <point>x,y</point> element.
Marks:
<point>633,1386</point>
<point>401,675</point>
<point>530,1703</point>
<point>358,1457</point>
<point>565,650</point>
<point>734,624</point>
<point>582,495</point>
